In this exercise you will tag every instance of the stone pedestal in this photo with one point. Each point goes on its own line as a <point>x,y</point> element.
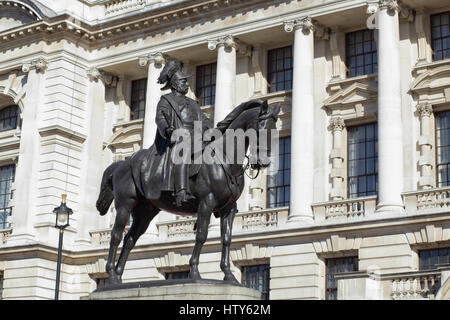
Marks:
<point>181,289</point>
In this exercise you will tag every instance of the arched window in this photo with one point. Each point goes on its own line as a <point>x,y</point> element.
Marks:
<point>8,118</point>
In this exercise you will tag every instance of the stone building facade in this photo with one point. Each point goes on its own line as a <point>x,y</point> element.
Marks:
<point>360,207</point>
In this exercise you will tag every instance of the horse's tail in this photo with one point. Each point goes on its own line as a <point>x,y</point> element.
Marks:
<point>106,195</point>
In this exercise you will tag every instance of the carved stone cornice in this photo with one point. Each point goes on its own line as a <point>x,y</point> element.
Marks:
<point>337,124</point>
<point>39,64</point>
<point>158,58</point>
<point>424,109</point>
<point>307,24</point>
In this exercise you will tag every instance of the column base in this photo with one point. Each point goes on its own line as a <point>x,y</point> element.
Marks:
<point>389,208</point>
<point>300,219</point>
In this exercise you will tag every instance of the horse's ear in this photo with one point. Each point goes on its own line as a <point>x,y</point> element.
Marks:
<point>264,108</point>
<point>276,109</point>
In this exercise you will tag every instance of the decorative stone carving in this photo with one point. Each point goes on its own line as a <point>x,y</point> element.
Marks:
<point>95,74</point>
<point>337,124</point>
<point>227,41</point>
<point>307,24</point>
<point>424,109</point>
<point>39,64</point>
<point>158,58</point>
<point>337,243</point>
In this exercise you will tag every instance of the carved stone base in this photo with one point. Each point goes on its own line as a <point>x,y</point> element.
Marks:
<point>181,289</point>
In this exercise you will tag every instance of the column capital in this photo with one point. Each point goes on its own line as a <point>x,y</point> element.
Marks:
<point>405,12</point>
<point>228,41</point>
<point>39,64</point>
<point>95,74</point>
<point>158,58</point>
<point>337,124</point>
<point>307,24</point>
<point>424,109</point>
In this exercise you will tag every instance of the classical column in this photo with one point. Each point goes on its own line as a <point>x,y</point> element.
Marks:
<point>390,147</point>
<point>302,120</point>
<point>155,63</point>
<point>225,76</point>
<point>426,181</point>
<point>337,157</point>
<point>25,185</point>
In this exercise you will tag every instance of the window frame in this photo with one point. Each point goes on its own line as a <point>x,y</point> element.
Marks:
<point>422,267</point>
<point>374,66</point>
<point>436,114</point>
<point>441,39</point>
<point>348,160</point>
<point>266,285</point>
<point>10,195</point>
<point>284,70</point>
<point>285,203</point>
<point>356,257</point>
<point>183,273</point>
<point>16,116</point>
<point>138,100</point>
<point>199,84</point>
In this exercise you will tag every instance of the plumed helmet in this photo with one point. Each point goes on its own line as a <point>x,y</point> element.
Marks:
<point>170,70</point>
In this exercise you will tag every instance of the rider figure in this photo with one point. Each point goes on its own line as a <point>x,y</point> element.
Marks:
<point>176,111</point>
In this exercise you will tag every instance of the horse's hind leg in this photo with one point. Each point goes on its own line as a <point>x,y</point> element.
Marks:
<point>122,216</point>
<point>205,209</point>
<point>226,226</point>
<point>143,214</point>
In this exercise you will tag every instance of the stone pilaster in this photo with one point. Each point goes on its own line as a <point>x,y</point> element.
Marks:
<point>426,180</point>
<point>25,200</point>
<point>337,125</point>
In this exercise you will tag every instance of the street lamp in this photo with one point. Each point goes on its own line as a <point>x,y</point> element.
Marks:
<point>62,221</point>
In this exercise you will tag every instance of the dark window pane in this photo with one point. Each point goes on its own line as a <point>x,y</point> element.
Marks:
<point>432,258</point>
<point>279,73</point>
<point>7,174</point>
<point>440,35</point>
<point>362,159</point>
<point>257,277</point>
<point>278,184</point>
<point>334,266</point>
<point>206,84</point>
<point>360,53</point>
<point>8,118</point>
<point>177,275</point>
<point>138,99</point>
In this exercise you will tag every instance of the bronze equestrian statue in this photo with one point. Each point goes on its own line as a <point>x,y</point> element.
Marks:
<point>148,182</point>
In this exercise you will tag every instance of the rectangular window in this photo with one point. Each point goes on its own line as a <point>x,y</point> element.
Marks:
<point>1,286</point>
<point>138,97</point>
<point>431,259</point>
<point>279,71</point>
<point>206,84</point>
<point>257,277</point>
<point>440,35</point>
<point>278,185</point>
<point>7,174</point>
<point>361,53</point>
<point>443,148</point>
<point>362,160</point>
<point>177,275</point>
<point>337,265</point>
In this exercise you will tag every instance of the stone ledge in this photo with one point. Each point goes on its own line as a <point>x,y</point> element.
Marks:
<point>182,289</point>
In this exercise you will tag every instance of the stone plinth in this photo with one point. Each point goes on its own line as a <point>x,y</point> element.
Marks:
<point>181,289</point>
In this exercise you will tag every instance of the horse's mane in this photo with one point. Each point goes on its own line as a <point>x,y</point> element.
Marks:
<point>225,123</point>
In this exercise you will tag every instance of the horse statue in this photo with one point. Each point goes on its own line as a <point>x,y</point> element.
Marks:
<point>216,188</point>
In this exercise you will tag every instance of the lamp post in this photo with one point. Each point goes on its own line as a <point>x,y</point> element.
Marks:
<point>62,221</point>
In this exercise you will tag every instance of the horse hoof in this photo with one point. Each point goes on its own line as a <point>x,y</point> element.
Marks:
<point>194,276</point>
<point>230,278</point>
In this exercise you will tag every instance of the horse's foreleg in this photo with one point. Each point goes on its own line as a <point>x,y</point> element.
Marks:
<point>122,216</point>
<point>142,217</point>
<point>203,217</point>
<point>226,226</point>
